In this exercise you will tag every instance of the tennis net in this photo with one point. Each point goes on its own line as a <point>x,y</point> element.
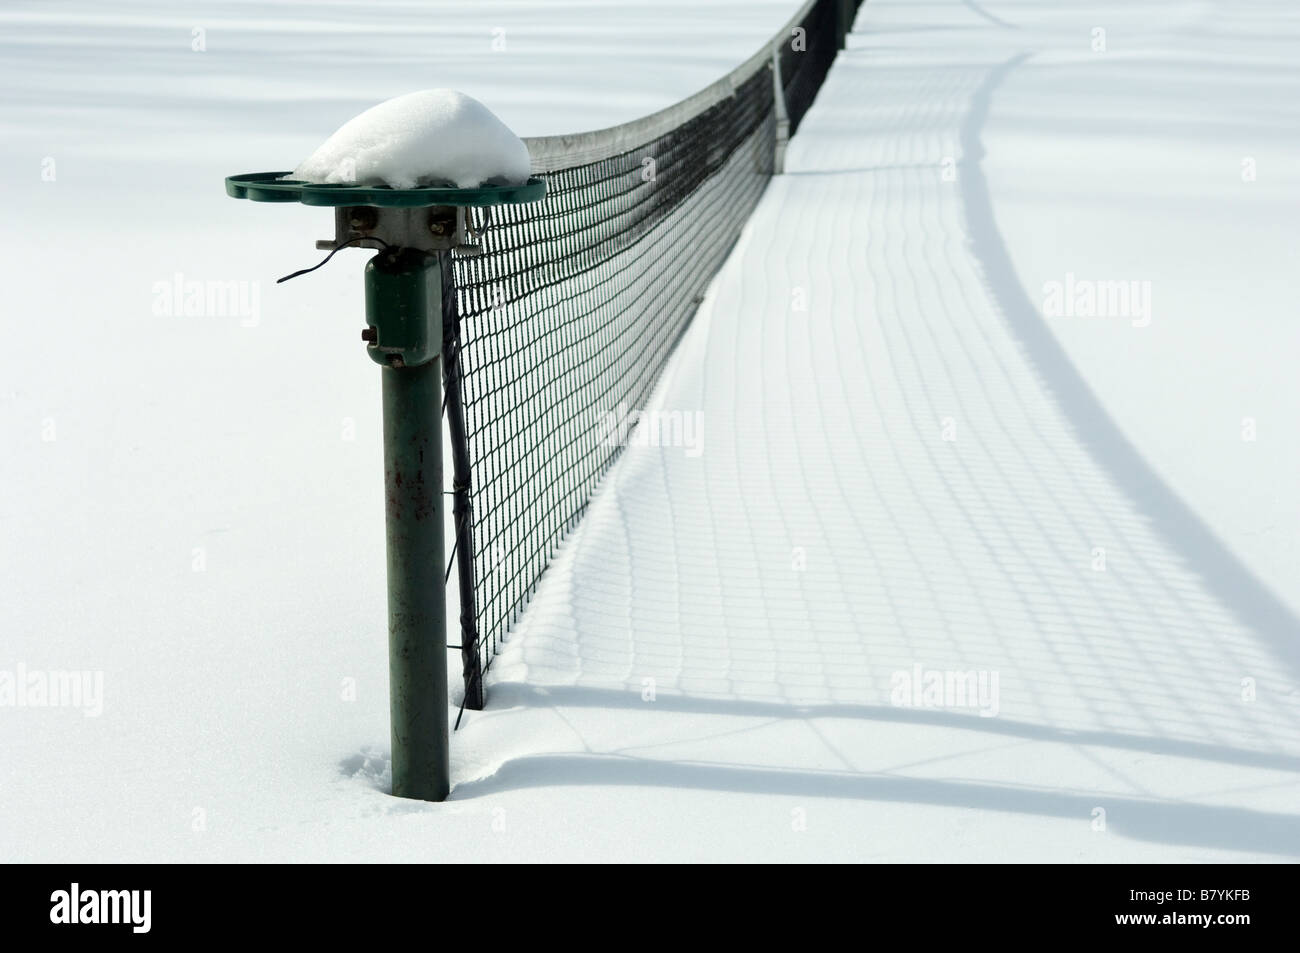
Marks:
<point>574,304</point>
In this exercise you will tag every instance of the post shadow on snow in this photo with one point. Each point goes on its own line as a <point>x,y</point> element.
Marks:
<point>1167,822</point>
<point>1232,583</point>
<point>520,694</point>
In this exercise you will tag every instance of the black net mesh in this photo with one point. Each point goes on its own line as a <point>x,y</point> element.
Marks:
<point>806,57</point>
<point>571,312</point>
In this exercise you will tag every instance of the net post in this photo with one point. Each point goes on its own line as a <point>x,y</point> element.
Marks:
<point>404,313</point>
<point>461,478</point>
<point>780,112</point>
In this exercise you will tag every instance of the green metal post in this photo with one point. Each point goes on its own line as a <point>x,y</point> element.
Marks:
<point>404,311</point>
<point>410,305</point>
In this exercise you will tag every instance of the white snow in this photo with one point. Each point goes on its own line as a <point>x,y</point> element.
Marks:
<point>192,503</point>
<point>434,137</point>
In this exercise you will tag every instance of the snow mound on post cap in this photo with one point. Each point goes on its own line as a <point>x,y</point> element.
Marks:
<point>435,137</point>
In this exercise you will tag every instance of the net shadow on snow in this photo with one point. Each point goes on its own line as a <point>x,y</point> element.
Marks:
<point>1231,582</point>
<point>969,556</point>
<point>1006,525</point>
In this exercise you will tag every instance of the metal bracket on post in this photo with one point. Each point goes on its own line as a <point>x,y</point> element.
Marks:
<point>782,115</point>
<point>430,228</point>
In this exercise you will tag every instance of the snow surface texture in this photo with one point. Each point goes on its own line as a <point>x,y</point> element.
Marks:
<point>193,500</point>
<point>434,137</point>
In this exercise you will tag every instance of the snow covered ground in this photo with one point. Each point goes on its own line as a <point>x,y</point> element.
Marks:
<point>926,469</point>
